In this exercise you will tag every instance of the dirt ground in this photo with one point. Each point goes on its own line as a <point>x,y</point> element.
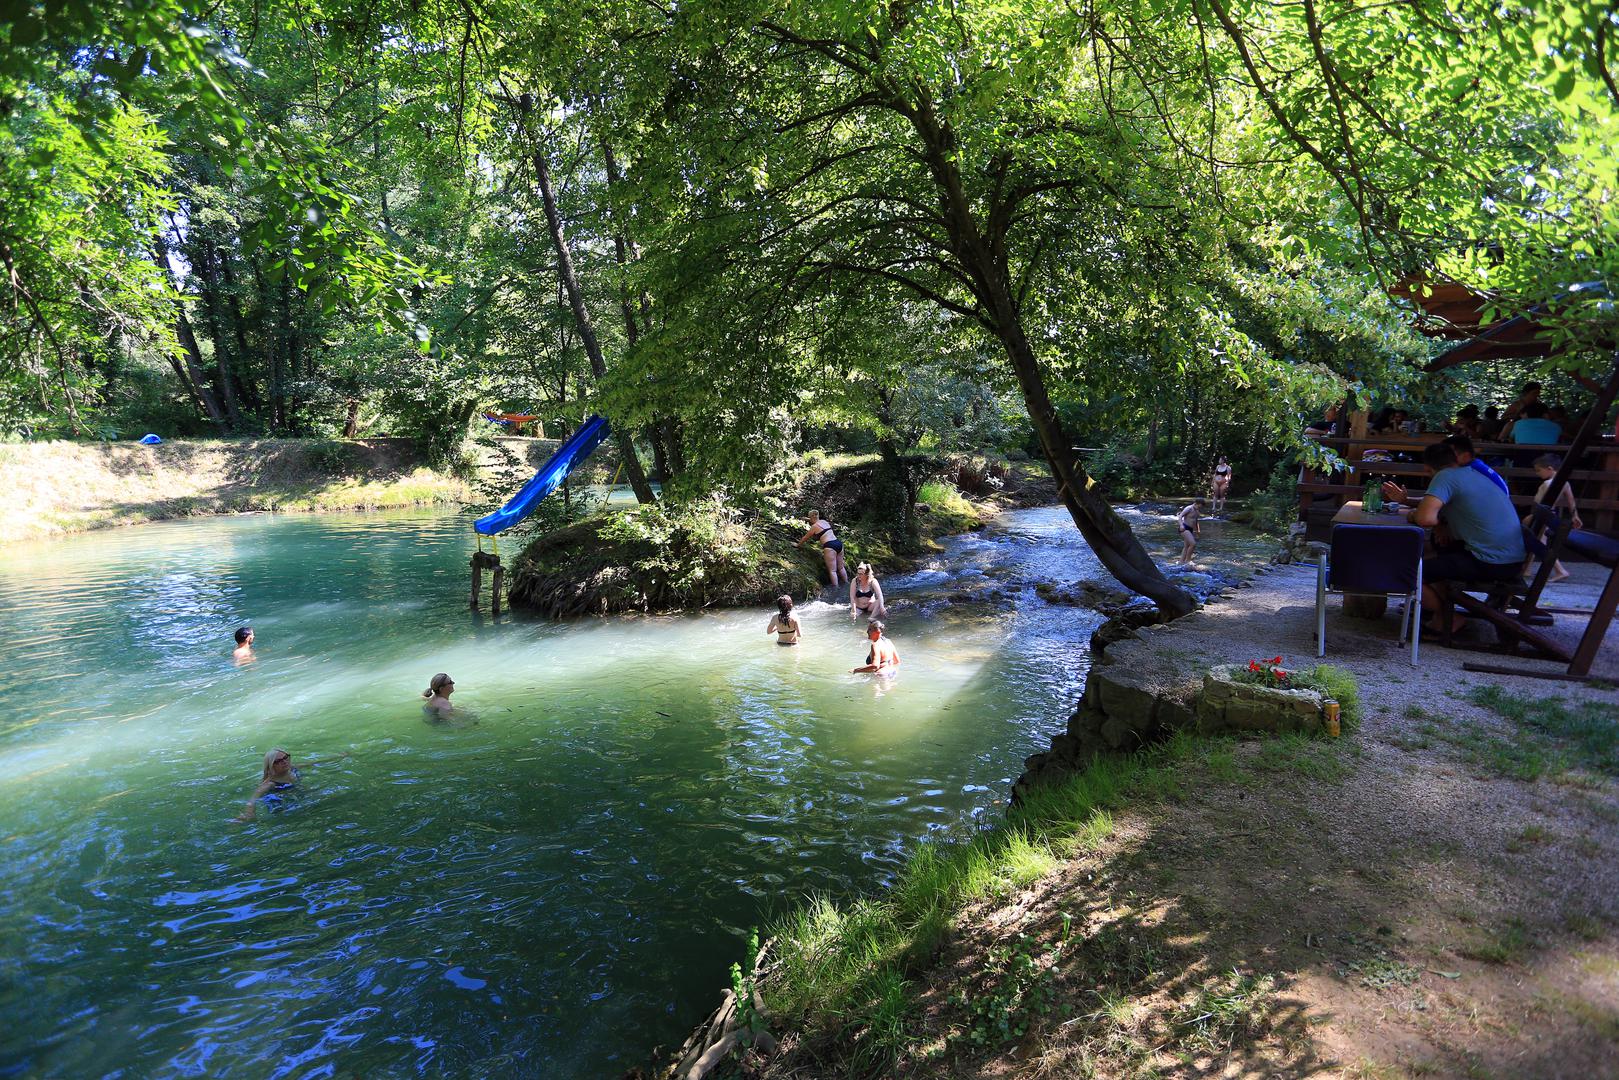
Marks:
<point>1434,894</point>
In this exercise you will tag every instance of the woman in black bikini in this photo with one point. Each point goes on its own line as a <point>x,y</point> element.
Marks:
<point>866,595</point>
<point>784,624</point>
<point>1221,485</point>
<point>820,530</point>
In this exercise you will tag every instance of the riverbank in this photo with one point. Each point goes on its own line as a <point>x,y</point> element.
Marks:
<point>1431,894</point>
<point>66,487</point>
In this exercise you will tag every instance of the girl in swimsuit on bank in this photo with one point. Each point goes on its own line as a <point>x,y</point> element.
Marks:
<point>1221,485</point>
<point>866,595</point>
<point>280,774</point>
<point>820,530</point>
<point>784,624</point>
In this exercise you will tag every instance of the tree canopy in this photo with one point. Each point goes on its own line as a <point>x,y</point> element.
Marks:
<point>726,221</point>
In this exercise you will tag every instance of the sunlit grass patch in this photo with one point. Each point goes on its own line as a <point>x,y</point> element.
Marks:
<point>840,970</point>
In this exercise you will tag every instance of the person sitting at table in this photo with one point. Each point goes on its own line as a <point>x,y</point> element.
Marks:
<point>1489,428</point>
<point>1332,420</point>
<point>1559,416</point>
<point>1529,395</point>
<point>1533,427</point>
<point>1481,519</point>
<point>1466,422</point>
<point>1464,456</point>
<point>1388,421</point>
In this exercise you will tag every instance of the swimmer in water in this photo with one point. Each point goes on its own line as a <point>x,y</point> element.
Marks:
<point>438,692</point>
<point>882,658</point>
<point>243,653</point>
<point>866,595</point>
<point>280,774</point>
<point>784,624</point>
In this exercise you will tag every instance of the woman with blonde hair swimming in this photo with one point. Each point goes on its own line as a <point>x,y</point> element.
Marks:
<point>439,689</point>
<point>280,774</point>
<point>866,594</point>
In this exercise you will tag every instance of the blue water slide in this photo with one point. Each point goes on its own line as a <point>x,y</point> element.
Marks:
<point>578,447</point>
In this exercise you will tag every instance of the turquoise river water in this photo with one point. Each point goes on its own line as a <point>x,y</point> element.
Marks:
<point>548,891</point>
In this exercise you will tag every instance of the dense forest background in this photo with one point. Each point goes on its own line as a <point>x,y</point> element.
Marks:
<point>739,229</point>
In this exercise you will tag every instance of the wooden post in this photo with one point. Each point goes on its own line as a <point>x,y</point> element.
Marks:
<point>482,560</point>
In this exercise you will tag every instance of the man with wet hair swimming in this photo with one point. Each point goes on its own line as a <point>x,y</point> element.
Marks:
<point>882,658</point>
<point>243,653</point>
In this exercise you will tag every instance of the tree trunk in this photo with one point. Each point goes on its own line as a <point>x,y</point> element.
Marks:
<point>624,250</point>
<point>1115,545</point>
<point>232,296</point>
<point>210,306</point>
<point>351,421</point>
<point>587,329</point>
<point>191,372</point>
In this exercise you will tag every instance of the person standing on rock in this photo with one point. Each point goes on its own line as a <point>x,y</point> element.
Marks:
<point>820,530</point>
<point>882,658</point>
<point>1189,521</point>
<point>866,594</point>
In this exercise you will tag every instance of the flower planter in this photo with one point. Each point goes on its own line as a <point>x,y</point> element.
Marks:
<point>1224,704</point>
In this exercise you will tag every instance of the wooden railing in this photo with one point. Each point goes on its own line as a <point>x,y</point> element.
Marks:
<point>1595,479</point>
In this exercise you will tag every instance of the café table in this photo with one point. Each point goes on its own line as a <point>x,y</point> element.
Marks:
<point>1357,605</point>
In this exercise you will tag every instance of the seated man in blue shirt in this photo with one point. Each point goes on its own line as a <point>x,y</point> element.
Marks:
<point>1533,427</point>
<point>1480,517</point>
<point>1464,456</point>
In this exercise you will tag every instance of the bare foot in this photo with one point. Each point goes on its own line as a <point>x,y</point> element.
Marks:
<point>1557,575</point>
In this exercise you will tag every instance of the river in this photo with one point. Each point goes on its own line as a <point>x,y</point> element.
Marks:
<point>548,891</point>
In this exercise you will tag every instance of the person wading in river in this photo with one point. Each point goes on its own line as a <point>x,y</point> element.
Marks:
<point>280,774</point>
<point>820,530</point>
<point>1188,520</point>
<point>866,595</point>
<point>243,653</point>
<point>784,624</point>
<point>882,658</point>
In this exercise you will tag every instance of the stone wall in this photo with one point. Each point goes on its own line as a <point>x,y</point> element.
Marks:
<point>1227,705</point>
<point>1142,688</point>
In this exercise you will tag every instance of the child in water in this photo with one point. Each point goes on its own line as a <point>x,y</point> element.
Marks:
<point>280,774</point>
<point>784,624</point>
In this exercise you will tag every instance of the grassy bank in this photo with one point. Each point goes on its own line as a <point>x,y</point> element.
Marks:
<point>924,972</point>
<point>63,487</point>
